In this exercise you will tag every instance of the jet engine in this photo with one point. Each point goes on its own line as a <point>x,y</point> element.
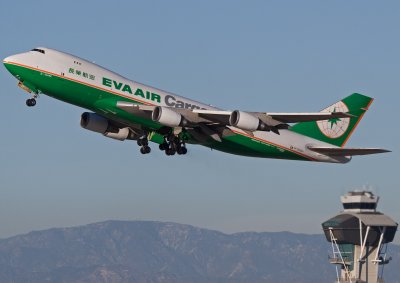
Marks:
<point>168,117</point>
<point>94,122</point>
<point>247,121</point>
<point>99,124</point>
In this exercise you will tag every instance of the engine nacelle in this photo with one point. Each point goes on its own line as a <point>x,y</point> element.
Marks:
<point>94,122</point>
<point>247,121</point>
<point>121,135</point>
<point>99,124</point>
<point>168,117</point>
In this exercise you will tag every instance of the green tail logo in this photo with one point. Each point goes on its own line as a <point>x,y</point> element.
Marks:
<point>337,131</point>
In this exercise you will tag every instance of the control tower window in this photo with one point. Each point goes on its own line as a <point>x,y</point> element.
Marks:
<point>38,50</point>
<point>359,205</point>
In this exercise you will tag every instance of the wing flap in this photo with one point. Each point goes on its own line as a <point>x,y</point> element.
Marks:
<point>338,151</point>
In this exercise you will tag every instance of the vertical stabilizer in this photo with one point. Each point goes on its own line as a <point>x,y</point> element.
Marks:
<point>337,131</point>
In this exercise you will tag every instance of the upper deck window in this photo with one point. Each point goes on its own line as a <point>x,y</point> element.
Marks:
<point>38,50</point>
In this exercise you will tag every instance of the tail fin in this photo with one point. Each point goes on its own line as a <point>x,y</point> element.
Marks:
<point>337,131</point>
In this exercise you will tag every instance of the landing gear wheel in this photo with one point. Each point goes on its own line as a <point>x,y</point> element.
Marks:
<point>143,141</point>
<point>174,144</point>
<point>182,150</point>
<point>30,102</point>
<point>145,149</point>
<point>170,152</point>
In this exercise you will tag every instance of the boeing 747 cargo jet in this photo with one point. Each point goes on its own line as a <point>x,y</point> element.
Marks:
<point>123,109</point>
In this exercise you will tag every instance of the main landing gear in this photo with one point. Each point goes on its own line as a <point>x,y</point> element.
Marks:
<point>31,101</point>
<point>143,142</point>
<point>173,144</point>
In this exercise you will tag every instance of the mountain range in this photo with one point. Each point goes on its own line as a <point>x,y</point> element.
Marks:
<point>164,252</point>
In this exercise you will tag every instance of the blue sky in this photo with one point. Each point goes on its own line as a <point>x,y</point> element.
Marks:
<point>277,56</point>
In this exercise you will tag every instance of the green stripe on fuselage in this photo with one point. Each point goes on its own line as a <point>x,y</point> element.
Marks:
<point>104,102</point>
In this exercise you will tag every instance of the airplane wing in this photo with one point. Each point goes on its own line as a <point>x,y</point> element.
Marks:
<point>278,117</point>
<point>247,121</point>
<point>222,116</point>
<point>338,151</point>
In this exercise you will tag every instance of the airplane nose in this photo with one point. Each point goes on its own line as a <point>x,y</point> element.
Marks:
<point>7,62</point>
<point>9,59</point>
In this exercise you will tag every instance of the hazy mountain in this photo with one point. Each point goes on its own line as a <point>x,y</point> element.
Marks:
<point>144,251</point>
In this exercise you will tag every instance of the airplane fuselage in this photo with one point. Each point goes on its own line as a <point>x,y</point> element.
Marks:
<point>88,85</point>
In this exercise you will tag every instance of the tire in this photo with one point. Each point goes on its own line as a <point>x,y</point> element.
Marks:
<point>183,150</point>
<point>29,102</point>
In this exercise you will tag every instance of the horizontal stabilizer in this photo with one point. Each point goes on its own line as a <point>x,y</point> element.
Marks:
<point>338,151</point>
<point>308,117</point>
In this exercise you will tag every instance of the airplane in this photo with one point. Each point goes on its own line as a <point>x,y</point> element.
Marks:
<point>123,109</point>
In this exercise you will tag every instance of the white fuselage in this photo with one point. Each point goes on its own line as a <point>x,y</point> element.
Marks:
<point>56,63</point>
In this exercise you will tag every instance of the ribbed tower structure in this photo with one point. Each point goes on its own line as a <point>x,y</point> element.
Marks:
<point>359,237</point>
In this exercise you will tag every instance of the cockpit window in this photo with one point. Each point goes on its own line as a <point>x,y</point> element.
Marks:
<point>38,50</point>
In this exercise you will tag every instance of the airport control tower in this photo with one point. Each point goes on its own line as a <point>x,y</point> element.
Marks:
<point>359,237</point>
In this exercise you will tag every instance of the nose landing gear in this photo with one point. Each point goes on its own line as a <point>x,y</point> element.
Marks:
<point>30,102</point>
